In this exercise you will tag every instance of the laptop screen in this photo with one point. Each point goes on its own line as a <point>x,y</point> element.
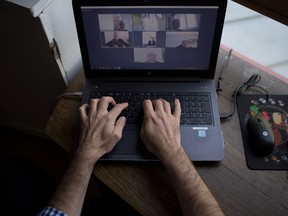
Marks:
<point>154,38</point>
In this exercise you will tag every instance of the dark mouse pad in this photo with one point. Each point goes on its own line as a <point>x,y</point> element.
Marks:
<point>276,112</point>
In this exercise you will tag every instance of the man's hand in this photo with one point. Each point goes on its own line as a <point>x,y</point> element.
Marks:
<point>160,128</point>
<point>100,131</point>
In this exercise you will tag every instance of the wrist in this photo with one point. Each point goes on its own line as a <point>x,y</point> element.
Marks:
<point>86,156</point>
<point>170,154</point>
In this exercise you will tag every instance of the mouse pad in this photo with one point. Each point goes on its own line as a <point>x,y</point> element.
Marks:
<point>276,112</point>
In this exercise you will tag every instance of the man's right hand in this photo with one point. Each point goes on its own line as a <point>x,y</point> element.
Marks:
<point>161,128</point>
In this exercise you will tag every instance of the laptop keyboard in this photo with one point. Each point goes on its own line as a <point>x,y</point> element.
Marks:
<point>195,107</point>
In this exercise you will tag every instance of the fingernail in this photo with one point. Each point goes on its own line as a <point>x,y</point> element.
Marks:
<point>123,119</point>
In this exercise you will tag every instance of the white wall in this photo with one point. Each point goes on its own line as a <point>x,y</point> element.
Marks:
<point>58,22</point>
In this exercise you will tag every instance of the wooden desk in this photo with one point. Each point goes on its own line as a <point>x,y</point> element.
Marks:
<point>146,187</point>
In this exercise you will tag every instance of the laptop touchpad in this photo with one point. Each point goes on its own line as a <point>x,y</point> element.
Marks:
<point>131,144</point>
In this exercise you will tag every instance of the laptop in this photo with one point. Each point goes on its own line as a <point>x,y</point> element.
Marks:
<point>148,49</point>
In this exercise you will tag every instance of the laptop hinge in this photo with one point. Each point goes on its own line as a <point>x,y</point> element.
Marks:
<point>150,79</point>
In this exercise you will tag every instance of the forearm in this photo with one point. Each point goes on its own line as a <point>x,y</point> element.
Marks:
<point>70,194</point>
<point>194,196</point>
<point>100,131</point>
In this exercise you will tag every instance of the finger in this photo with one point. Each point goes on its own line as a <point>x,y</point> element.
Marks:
<point>119,126</point>
<point>104,103</point>
<point>118,108</point>
<point>166,106</point>
<point>84,110</point>
<point>147,107</point>
<point>93,105</point>
<point>177,109</point>
<point>158,105</point>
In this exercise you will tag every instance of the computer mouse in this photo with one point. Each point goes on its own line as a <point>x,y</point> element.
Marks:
<point>260,133</point>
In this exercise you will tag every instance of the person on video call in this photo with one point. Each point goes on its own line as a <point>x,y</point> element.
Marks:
<point>121,26</point>
<point>176,24</point>
<point>102,129</point>
<point>184,44</point>
<point>150,22</point>
<point>151,57</point>
<point>116,42</point>
<point>151,42</point>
